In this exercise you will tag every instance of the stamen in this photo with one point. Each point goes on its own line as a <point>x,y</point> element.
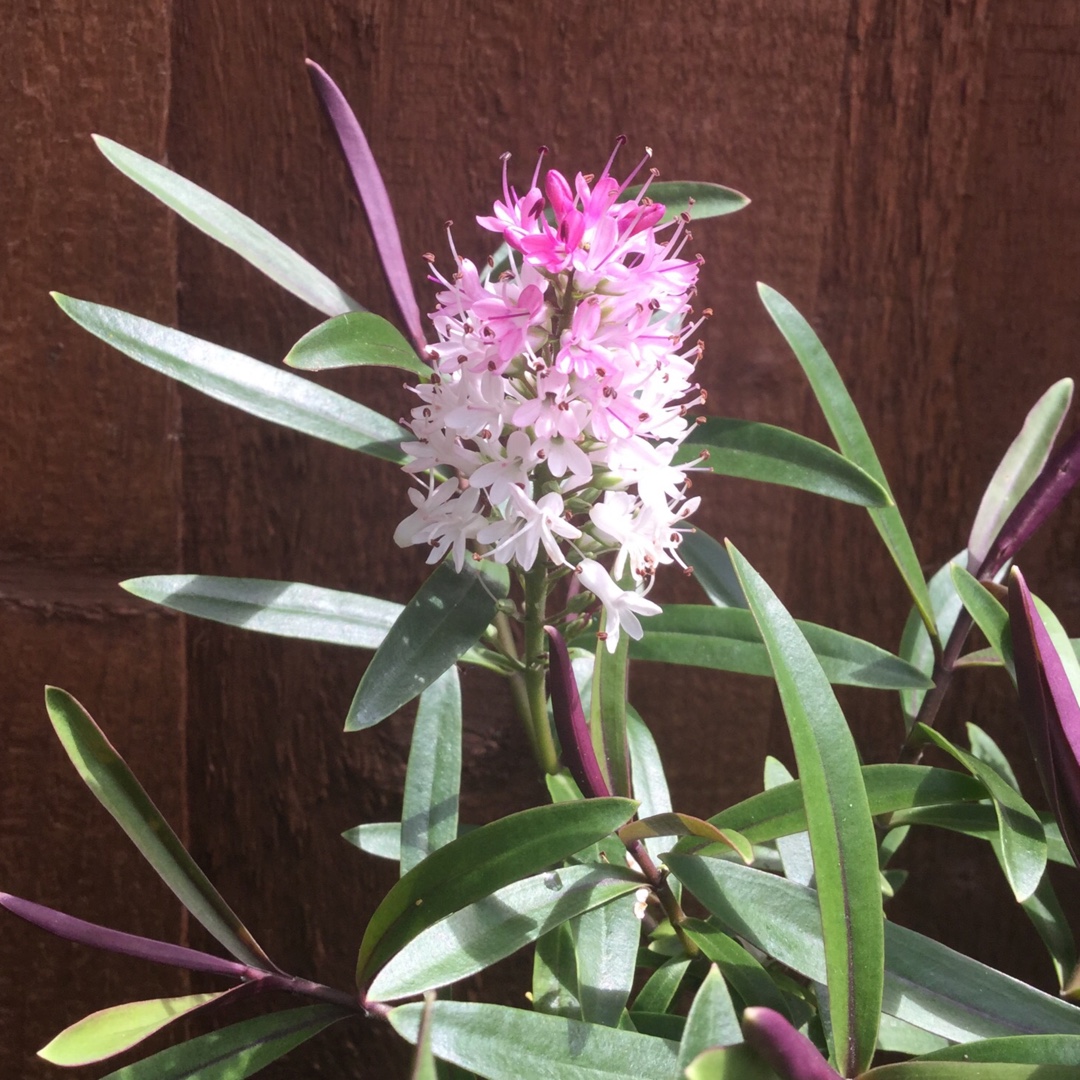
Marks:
<point>620,142</point>
<point>637,168</point>
<point>543,150</point>
<point>506,185</point>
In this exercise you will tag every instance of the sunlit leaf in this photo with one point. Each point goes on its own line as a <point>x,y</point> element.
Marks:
<point>229,227</point>
<point>115,787</point>
<point>480,863</point>
<point>711,1020</point>
<point>355,339</point>
<point>774,455</point>
<point>607,943</point>
<point>727,639</point>
<point>672,824</point>
<point>840,825</point>
<point>851,436</point>
<point>241,381</point>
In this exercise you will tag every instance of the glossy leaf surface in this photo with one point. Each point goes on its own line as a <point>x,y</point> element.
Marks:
<point>711,1020</point>
<point>507,1044</point>
<point>241,381</point>
<point>479,864</point>
<point>851,436</point>
<point>712,568</point>
<point>838,820</point>
<point>113,785</point>
<point>727,639</point>
<point>1023,461</point>
<point>484,932</point>
<point>229,227</point>
<point>237,1051</point>
<point>429,810</point>
<point>435,628</point>
<point>607,943</point>
<point>355,339</point>
<point>774,455</point>
<point>111,1031</point>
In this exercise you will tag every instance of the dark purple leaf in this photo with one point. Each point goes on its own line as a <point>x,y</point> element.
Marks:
<point>1050,710</point>
<point>372,191</point>
<point>570,723</point>
<point>1056,480</point>
<point>783,1048</point>
<point>101,937</point>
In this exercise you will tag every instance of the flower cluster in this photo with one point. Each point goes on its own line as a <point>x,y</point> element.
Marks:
<point>561,381</point>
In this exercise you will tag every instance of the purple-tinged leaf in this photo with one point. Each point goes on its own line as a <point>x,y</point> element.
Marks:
<point>1050,709</point>
<point>790,1053</point>
<point>372,192</point>
<point>101,937</point>
<point>572,727</point>
<point>1054,482</point>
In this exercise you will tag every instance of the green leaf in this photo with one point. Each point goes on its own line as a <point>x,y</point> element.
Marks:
<point>229,227</point>
<point>774,455</point>
<point>555,982</point>
<point>956,1070</point>
<point>1023,461</point>
<point>507,1044</point>
<point>237,1051</point>
<point>1020,1049</point>
<point>795,855</point>
<point>661,987</point>
<point>889,789</point>
<point>284,608</point>
<point>711,1021</point>
<point>850,434</point>
<point>736,1063</point>
<point>241,381</point>
<point>111,1031</point>
<point>988,612</point>
<point>712,567</point>
<point>1023,842</point>
<point>480,863</point>
<point>429,812</point>
<point>1052,925</point>
<point>424,1067</point>
<point>113,785</point>
<point>898,1037</point>
<point>607,944</point>
<point>379,838</point>
<point>841,829</point>
<point>672,824</point>
<point>357,338</point>
<point>747,977</point>
<point>607,720</point>
<point>699,200</point>
<point>477,936</point>
<point>926,984</point>
<point>647,779</point>
<point>436,627</point>
<point>727,639</point>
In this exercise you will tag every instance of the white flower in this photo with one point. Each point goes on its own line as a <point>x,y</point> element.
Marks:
<point>529,525</point>
<point>621,607</point>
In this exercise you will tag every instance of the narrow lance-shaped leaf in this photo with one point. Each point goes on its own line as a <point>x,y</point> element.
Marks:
<point>608,709</point>
<point>109,1032</point>
<point>241,381</point>
<point>774,455</point>
<point>728,639</point>
<point>841,829</point>
<point>372,192</point>
<point>435,628</point>
<point>1057,478</point>
<point>711,1020</point>
<point>507,1044</point>
<point>1049,707</point>
<point>851,436</point>
<point>989,614</point>
<point>1022,462</point>
<point>229,227</point>
<point>117,941</point>
<point>478,864</point>
<point>429,810</point>
<point>237,1051</point>
<point>697,198</point>
<point>672,824</point>
<point>712,568</point>
<point>424,1067</point>
<point>353,340</point>
<point>607,940</point>
<point>112,783</point>
<point>1023,842</point>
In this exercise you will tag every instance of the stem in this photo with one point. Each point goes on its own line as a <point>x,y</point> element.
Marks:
<point>668,901</point>
<point>312,990</point>
<point>536,718</point>
<point>944,668</point>
<point>518,689</point>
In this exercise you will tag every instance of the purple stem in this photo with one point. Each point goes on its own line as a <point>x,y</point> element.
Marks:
<point>783,1048</point>
<point>373,196</point>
